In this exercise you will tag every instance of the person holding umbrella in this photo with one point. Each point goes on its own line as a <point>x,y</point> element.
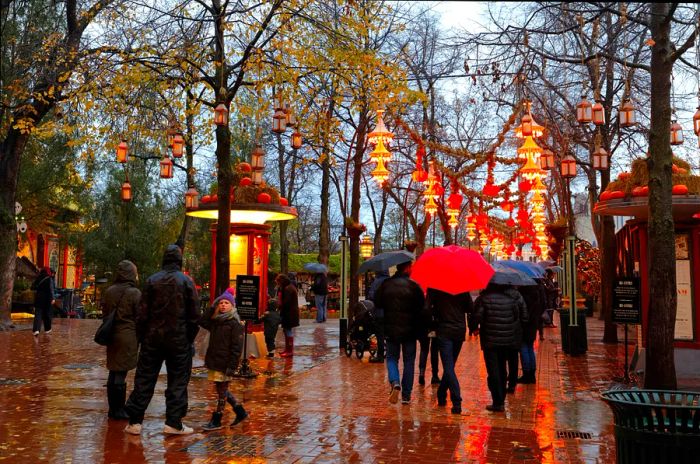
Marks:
<point>403,303</point>
<point>320,289</point>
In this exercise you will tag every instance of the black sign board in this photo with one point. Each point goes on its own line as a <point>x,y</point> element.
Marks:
<point>626,301</point>
<point>248,296</point>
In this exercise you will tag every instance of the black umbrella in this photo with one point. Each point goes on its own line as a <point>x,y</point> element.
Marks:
<point>383,261</point>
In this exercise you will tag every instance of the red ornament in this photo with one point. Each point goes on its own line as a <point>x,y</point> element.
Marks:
<point>264,197</point>
<point>214,198</point>
<point>510,222</point>
<point>419,175</point>
<point>617,195</point>
<point>524,186</point>
<point>454,201</point>
<point>246,181</point>
<point>507,206</point>
<point>245,167</point>
<point>679,189</point>
<point>284,201</point>
<point>490,189</point>
<point>206,198</point>
<point>640,191</point>
<point>605,195</point>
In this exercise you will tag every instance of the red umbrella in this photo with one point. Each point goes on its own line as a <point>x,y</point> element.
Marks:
<point>452,269</point>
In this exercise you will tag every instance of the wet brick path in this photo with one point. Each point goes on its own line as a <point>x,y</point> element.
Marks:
<point>319,406</point>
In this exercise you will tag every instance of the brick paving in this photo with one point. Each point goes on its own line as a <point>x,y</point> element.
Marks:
<point>319,406</point>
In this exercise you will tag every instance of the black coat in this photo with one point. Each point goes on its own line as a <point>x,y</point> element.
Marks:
<point>405,316</point>
<point>169,310</point>
<point>500,312</point>
<point>535,299</point>
<point>320,286</point>
<point>288,300</point>
<point>449,313</point>
<point>122,297</point>
<point>225,342</point>
<point>44,287</point>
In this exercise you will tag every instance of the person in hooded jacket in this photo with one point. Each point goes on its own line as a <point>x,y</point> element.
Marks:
<point>166,326</point>
<point>500,311</point>
<point>320,289</point>
<point>288,304</point>
<point>449,314</point>
<point>379,278</point>
<point>404,321</point>
<point>123,298</point>
<point>535,300</point>
<point>45,288</point>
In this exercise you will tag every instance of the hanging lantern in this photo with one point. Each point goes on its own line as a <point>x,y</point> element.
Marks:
<point>696,122</point>
<point>178,145</point>
<point>584,111</point>
<point>601,160</point>
<point>453,222</point>
<point>380,152</point>
<point>366,246</point>
<point>221,115</point>
<point>598,114</point>
<point>538,186</point>
<point>166,168</point>
<point>257,158</point>
<point>676,133</point>
<point>122,152</point>
<point>627,114</point>
<point>471,234</point>
<point>126,190</point>
<point>380,173</point>
<point>257,177</point>
<point>568,167</point>
<point>279,122</point>
<point>170,133</point>
<point>547,159</point>
<point>289,113</point>
<point>526,125</point>
<point>529,148</point>
<point>296,139</point>
<point>430,206</point>
<point>530,170</point>
<point>278,101</point>
<point>380,132</point>
<point>191,198</point>
<point>419,175</point>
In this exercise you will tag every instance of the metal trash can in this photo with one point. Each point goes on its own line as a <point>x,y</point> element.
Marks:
<point>655,426</point>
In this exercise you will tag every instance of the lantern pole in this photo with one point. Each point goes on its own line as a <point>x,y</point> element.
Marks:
<point>343,291</point>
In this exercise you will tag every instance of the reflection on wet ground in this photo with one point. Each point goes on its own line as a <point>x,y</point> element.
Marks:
<point>318,406</point>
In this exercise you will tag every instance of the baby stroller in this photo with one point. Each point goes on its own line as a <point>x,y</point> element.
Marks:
<point>361,333</point>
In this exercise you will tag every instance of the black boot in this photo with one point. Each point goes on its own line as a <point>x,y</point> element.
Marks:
<point>241,414</point>
<point>116,397</point>
<point>214,423</point>
<point>527,378</point>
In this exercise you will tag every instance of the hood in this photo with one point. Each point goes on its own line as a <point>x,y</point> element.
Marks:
<point>126,272</point>
<point>172,256</point>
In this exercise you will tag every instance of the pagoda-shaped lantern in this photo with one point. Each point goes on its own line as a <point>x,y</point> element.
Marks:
<point>380,132</point>
<point>584,111</point>
<point>380,173</point>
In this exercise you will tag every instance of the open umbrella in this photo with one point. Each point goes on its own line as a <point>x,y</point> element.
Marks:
<point>508,276</point>
<point>383,261</point>
<point>315,267</point>
<point>452,269</point>
<point>530,269</point>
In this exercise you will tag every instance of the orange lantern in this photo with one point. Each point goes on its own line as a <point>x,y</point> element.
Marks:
<point>380,132</point>
<point>279,122</point>
<point>676,133</point>
<point>178,145</point>
<point>547,159</point>
<point>221,115</point>
<point>126,190</point>
<point>568,167</point>
<point>627,114</point>
<point>584,111</point>
<point>166,168</point>
<point>526,125</point>
<point>291,118</point>
<point>380,173</point>
<point>598,114</point>
<point>296,139</point>
<point>122,152</point>
<point>191,198</point>
<point>601,160</point>
<point>696,122</point>
<point>257,158</point>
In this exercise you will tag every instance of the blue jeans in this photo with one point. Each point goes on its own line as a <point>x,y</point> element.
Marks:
<point>393,351</point>
<point>449,352</point>
<point>320,301</point>
<point>527,357</point>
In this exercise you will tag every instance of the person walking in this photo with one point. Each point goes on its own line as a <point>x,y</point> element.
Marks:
<point>223,355</point>
<point>428,346</point>
<point>534,297</point>
<point>379,278</point>
<point>288,303</point>
<point>166,326</point>
<point>500,311</point>
<point>44,288</point>
<point>320,289</point>
<point>271,322</point>
<point>551,289</point>
<point>121,298</point>
<point>404,319</point>
<point>449,314</point>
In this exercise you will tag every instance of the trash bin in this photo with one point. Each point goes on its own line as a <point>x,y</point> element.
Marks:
<point>574,340</point>
<point>655,426</point>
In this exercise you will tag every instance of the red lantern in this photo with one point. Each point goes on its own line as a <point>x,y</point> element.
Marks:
<point>568,167</point>
<point>601,160</point>
<point>419,175</point>
<point>676,133</point>
<point>279,122</point>
<point>626,113</point>
<point>598,114</point>
<point>584,111</point>
<point>524,186</point>
<point>126,190</point>
<point>506,206</point>
<point>221,115</point>
<point>679,189</point>
<point>178,145</point>
<point>696,122</point>
<point>454,201</point>
<point>296,139</point>
<point>547,159</point>
<point>490,189</point>
<point>122,152</point>
<point>166,168</point>
<point>191,198</point>
<point>510,222</point>
<point>526,125</point>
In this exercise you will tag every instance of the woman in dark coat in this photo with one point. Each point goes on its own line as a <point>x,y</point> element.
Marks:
<point>535,298</point>
<point>500,311</point>
<point>122,297</point>
<point>43,299</point>
<point>289,311</point>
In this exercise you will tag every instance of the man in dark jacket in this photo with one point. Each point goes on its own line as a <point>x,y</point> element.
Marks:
<point>44,287</point>
<point>320,289</point>
<point>535,297</point>
<point>450,322</point>
<point>288,301</point>
<point>500,311</point>
<point>404,318</point>
<point>166,326</point>
<point>379,278</point>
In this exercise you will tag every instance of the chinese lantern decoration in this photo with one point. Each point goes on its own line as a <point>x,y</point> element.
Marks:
<point>696,122</point>
<point>601,160</point>
<point>538,186</point>
<point>598,113</point>
<point>279,122</point>
<point>380,155</point>
<point>547,159</point>
<point>676,133</point>
<point>419,175</point>
<point>471,228</point>
<point>380,131</point>
<point>221,115</point>
<point>257,162</point>
<point>126,190</point>
<point>296,139</point>
<point>191,198</point>
<point>528,126</point>
<point>430,206</point>
<point>380,173</point>
<point>166,168</point>
<point>366,246</point>
<point>584,111</point>
<point>178,145</point>
<point>454,203</point>
<point>529,148</point>
<point>122,152</point>
<point>627,114</point>
<point>568,167</point>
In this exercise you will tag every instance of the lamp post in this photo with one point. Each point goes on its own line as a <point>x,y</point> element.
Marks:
<point>366,248</point>
<point>343,292</point>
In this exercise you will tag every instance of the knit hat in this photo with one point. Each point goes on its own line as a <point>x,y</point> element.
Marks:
<point>225,296</point>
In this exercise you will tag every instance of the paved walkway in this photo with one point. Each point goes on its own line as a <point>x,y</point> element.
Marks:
<point>318,407</point>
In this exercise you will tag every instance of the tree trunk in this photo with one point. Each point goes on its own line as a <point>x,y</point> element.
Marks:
<point>608,250</point>
<point>284,242</point>
<point>223,226</point>
<point>324,241</point>
<point>189,154</point>
<point>354,294</point>
<point>660,368</point>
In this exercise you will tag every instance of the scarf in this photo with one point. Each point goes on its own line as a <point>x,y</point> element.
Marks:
<point>227,316</point>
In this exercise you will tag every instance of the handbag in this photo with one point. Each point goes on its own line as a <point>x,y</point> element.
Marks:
<point>103,336</point>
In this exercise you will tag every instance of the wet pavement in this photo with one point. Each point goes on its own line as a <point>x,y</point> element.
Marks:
<point>318,406</point>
